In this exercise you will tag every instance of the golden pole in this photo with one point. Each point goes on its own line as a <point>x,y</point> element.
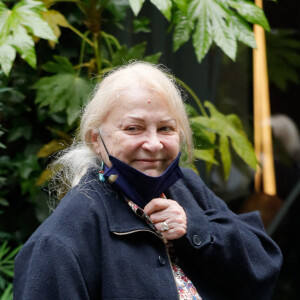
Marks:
<point>262,126</point>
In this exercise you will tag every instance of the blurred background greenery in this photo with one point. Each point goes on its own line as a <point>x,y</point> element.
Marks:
<point>52,53</point>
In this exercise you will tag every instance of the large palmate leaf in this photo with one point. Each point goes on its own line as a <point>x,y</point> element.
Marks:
<point>219,21</point>
<point>17,27</point>
<point>65,91</point>
<point>229,128</point>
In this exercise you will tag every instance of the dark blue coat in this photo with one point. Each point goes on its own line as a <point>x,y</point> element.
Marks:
<point>94,247</point>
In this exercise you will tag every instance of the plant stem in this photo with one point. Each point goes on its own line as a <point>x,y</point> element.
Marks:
<point>109,36</point>
<point>192,93</point>
<point>81,53</point>
<point>110,50</point>
<point>97,52</point>
<point>81,35</point>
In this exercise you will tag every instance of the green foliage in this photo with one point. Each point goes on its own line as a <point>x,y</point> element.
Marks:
<point>64,91</point>
<point>228,128</point>
<point>7,256</point>
<point>17,28</point>
<point>283,58</point>
<point>8,293</point>
<point>141,25</point>
<point>224,22</point>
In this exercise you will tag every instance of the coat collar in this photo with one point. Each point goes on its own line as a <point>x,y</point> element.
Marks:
<point>120,217</point>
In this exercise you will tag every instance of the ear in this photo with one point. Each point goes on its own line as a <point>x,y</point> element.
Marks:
<point>95,141</point>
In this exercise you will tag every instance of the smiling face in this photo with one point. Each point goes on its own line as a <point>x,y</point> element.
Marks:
<point>141,131</point>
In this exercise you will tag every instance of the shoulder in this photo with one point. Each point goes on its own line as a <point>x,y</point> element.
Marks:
<point>192,187</point>
<point>80,212</point>
<point>193,182</point>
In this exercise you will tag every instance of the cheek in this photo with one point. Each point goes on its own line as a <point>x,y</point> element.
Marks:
<point>123,146</point>
<point>173,144</point>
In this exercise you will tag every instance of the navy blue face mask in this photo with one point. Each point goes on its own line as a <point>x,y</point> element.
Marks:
<point>137,186</point>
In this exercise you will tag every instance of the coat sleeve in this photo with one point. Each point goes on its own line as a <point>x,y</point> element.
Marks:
<point>47,269</point>
<point>232,251</point>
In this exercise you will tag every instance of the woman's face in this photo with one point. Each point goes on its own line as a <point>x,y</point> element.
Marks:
<point>141,131</point>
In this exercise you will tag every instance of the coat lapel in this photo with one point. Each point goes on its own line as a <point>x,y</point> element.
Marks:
<point>121,218</point>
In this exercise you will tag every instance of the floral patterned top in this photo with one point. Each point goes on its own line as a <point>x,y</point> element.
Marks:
<point>185,287</point>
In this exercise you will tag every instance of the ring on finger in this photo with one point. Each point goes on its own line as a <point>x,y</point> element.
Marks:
<point>165,226</point>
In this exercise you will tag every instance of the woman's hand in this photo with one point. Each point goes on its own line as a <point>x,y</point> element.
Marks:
<point>162,210</point>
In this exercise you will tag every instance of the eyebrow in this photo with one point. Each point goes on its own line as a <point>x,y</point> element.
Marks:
<point>161,121</point>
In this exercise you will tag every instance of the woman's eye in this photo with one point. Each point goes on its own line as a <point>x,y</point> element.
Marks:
<point>166,129</point>
<point>133,129</point>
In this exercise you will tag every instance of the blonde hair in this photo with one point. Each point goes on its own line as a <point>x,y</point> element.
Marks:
<point>106,94</point>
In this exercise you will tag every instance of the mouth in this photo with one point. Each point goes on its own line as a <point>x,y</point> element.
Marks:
<point>148,160</point>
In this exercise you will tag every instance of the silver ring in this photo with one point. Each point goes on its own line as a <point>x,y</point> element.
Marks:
<point>165,226</point>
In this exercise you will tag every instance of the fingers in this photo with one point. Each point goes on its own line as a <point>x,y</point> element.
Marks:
<point>168,216</point>
<point>175,230</point>
<point>154,205</point>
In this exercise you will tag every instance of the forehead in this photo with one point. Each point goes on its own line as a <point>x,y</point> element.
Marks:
<point>140,99</point>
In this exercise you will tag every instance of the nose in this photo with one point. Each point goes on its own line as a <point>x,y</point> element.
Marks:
<point>152,143</point>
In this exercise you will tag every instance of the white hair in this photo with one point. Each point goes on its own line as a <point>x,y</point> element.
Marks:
<point>72,163</point>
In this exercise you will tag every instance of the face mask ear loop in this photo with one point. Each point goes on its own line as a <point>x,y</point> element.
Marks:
<point>103,143</point>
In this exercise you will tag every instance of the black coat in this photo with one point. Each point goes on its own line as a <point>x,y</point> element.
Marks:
<point>94,247</point>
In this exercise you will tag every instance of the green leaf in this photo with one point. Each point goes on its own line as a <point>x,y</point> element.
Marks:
<point>211,25</point>
<point>182,5</point>
<point>225,155</point>
<point>124,54</point>
<point>223,34</point>
<point>4,16</point>
<point>202,37</point>
<point>60,65</point>
<point>16,25</point>
<point>80,92</point>
<point>223,22</point>
<point>24,45</point>
<point>236,123</point>
<point>154,58</point>
<point>63,92</point>
<point>118,9</point>
<point>239,141</point>
<point>283,54</point>
<point>7,57</point>
<point>19,132</point>
<point>250,12</point>
<point>242,30</point>
<point>28,13</point>
<point>205,155</point>
<point>190,110</point>
<point>201,137</point>
<point>136,6</point>
<point>164,6</point>
<point>182,30</point>
<point>8,293</point>
<point>141,25</point>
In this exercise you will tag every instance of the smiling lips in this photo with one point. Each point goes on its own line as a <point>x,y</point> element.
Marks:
<point>148,161</point>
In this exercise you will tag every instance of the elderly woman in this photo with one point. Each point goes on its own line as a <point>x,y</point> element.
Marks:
<point>134,225</point>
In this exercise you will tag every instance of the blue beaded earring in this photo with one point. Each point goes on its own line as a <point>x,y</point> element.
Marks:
<point>101,172</point>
